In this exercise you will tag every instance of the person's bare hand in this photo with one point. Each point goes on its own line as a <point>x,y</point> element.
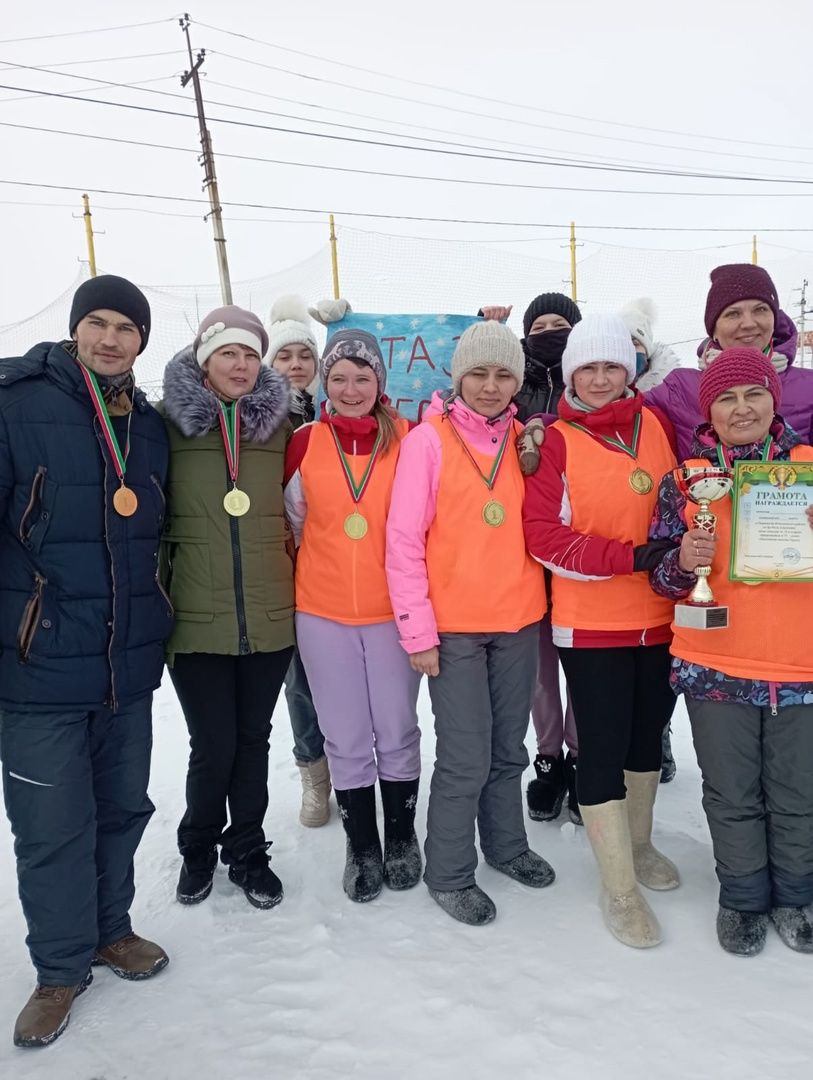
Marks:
<point>426,662</point>
<point>696,549</point>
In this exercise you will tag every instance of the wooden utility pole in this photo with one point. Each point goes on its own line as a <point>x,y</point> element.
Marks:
<point>89,235</point>
<point>574,289</point>
<point>334,259</point>
<point>208,163</point>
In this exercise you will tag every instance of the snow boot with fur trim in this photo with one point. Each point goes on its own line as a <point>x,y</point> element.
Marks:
<point>364,866</point>
<point>652,868</point>
<point>402,853</point>
<point>742,933</point>
<point>627,914</point>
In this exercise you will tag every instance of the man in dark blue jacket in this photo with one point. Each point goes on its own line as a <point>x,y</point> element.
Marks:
<point>83,460</point>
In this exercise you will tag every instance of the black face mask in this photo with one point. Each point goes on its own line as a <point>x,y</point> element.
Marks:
<point>546,348</point>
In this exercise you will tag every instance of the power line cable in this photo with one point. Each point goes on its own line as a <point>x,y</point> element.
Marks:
<point>491,100</point>
<point>80,33</point>
<point>566,155</point>
<point>480,115</point>
<point>409,217</point>
<point>420,149</point>
<point>96,60</point>
<point>408,176</point>
<point>563,153</point>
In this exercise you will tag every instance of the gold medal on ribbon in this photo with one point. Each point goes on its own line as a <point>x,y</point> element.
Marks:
<point>355,526</point>
<point>125,501</point>
<point>236,502</point>
<point>494,513</point>
<point>641,482</point>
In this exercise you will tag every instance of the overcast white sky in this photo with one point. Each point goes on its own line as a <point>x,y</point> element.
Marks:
<point>728,85</point>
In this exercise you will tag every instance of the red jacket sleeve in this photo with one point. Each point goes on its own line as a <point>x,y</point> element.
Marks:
<point>547,520</point>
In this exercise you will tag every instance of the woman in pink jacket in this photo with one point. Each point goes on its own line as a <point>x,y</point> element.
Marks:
<point>467,600</point>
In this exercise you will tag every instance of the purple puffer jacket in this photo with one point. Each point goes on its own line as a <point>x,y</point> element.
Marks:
<point>677,394</point>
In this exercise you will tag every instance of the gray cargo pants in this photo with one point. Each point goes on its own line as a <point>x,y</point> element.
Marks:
<point>758,797</point>
<point>481,700</point>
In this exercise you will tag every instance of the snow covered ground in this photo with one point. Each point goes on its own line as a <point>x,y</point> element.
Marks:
<point>322,988</point>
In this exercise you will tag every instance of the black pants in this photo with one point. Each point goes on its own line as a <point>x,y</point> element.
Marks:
<point>622,701</point>
<point>227,702</point>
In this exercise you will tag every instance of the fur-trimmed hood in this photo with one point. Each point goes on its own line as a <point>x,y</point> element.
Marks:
<point>194,411</point>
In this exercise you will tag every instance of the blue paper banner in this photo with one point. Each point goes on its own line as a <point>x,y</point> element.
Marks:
<point>417,351</point>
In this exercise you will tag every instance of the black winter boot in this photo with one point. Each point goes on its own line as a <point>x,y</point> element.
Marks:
<point>469,905</point>
<point>546,793</point>
<point>197,875</point>
<point>741,932</point>
<point>572,797</point>
<point>255,877</point>
<point>364,868</point>
<point>668,767</point>
<point>402,855</point>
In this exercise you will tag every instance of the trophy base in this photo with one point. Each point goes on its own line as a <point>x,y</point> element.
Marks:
<point>696,617</point>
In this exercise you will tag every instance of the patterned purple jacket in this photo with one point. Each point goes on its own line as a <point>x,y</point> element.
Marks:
<point>677,394</point>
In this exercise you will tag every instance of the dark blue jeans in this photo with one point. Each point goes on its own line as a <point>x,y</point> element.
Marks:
<point>309,742</point>
<point>75,786</point>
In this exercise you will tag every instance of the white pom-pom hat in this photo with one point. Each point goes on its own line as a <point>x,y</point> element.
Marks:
<point>290,324</point>
<point>639,318</point>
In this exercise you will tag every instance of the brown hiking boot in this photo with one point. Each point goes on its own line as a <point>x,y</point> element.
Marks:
<point>132,957</point>
<point>46,1013</point>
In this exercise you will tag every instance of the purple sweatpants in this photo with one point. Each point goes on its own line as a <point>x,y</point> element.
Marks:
<point>551,727</point>
<point>365,695</point>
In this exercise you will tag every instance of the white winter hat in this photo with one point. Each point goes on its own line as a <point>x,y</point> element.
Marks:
<point>595,339</point>
<point>290,324</point>
<point>639,316</point>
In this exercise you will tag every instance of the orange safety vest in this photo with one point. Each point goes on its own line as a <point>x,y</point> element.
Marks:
<point>603,503</point>
<point>338,577</point>
<point>767,636</point>
<point>481,578</point>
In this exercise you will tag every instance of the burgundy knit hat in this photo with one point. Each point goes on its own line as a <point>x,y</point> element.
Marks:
<point>738,281</point>
<point>737,367</point>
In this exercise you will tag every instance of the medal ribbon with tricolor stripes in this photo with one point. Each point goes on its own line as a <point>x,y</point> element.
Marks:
<point>229,417</point>
<point>119,458</point>
<point>357,490</point>
<point>491,479</point>
<point>618,443</point>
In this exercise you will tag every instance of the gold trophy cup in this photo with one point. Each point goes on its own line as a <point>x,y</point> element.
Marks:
<point>703,485</point>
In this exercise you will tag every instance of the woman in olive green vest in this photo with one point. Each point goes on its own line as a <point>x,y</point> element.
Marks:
<point>229,575</point>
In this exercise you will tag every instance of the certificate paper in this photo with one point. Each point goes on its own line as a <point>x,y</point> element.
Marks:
<point>771,537</point>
